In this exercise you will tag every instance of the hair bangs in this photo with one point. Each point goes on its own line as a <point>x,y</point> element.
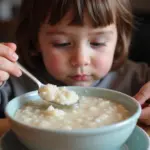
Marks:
<point>100,12</point>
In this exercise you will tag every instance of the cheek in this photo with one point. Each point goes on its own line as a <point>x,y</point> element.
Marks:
<point>102,64</point>
<point>54,63</point>
<point>53,60</point>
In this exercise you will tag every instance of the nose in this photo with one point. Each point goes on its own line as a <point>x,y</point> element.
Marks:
<point>81,57</point>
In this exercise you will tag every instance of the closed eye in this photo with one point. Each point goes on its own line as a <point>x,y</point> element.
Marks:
<point>61,44</point>
<point>97,44</point>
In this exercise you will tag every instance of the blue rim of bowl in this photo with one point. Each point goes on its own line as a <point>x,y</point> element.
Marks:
<point>82,131</point>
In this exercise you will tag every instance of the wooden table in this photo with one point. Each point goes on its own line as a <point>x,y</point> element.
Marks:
<point>4,126</point>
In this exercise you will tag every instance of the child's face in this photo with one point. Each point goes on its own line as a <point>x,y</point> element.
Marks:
<point>77,55</point>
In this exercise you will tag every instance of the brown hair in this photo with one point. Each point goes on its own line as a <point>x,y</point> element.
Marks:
<point>101,12</point>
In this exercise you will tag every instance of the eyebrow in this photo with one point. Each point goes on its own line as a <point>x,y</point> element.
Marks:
<point>108,32</point>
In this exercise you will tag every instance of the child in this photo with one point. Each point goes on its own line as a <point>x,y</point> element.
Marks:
<point>74,42</point>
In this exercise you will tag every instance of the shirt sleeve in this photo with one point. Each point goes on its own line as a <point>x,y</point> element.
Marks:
<point>5,96</point>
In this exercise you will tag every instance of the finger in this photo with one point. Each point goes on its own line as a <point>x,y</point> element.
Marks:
<point>8,53</point>
<point>11,45</point>
<point>143,94</point>
<point>3,76</point>
<point>145,116</point>
<point>10,67</point>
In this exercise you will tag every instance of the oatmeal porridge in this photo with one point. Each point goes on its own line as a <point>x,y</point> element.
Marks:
<point>91,112</point>
<point>60,95</point>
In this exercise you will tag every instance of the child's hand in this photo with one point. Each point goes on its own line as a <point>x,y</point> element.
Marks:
<point>142,96</point>
<point>8,57</point>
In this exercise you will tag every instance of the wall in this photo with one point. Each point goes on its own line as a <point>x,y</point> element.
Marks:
<point>141,5</point>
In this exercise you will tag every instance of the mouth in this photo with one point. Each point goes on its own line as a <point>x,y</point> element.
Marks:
<point>82,77</point>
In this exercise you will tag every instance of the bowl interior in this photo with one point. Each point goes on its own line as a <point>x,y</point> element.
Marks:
<point>129,103</point>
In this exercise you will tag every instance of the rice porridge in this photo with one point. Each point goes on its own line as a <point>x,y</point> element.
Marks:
<point>59,95</point>
<point>91,112</point>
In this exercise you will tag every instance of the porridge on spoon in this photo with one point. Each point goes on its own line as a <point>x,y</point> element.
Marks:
<point>58,95</point>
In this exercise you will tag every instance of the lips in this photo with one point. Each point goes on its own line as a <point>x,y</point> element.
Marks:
<point>81,77</point>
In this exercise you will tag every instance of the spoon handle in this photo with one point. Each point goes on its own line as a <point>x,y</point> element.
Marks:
<point>26,72</point>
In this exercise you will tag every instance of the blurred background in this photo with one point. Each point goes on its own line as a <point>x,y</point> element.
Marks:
<point>140,45</point>
<point>9,10</point>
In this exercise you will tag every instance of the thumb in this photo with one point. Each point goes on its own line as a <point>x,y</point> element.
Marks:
<point>11,45</point>
<point>143,94</point>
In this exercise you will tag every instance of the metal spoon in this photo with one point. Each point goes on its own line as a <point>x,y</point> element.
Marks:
<point>31,76</point>
<point>39,84</point>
